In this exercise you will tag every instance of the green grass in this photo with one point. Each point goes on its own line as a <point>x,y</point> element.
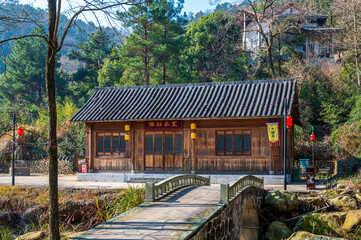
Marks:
<point>127,199</point>
<point>5,233</point>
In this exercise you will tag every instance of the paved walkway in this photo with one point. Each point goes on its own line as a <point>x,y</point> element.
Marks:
<point>171,218</point>
<point>71,182</point>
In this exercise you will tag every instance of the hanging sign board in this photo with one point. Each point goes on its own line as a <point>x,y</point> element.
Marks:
<point>160,125</point>
<point>273,134</point>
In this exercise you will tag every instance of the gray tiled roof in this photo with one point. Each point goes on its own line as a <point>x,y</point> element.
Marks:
<point>248,99</point>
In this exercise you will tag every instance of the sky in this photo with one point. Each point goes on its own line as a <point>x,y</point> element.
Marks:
<point>198,5</point>
<point>189,6</point>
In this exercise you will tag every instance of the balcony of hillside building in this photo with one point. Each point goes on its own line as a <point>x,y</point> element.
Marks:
<point>318,50</point>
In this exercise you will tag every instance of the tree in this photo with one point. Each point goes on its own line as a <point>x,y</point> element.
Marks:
<point>168,25</point>
<point>55,40</point>
<point>25,75</point>
<point>348,17</point>
<point>151,53</point>
<point>213,48</point>
<point>224,7</point>
<point>271,27</point>
<point>91,54</point>
<point>137,47</point>
<point>112,71</point>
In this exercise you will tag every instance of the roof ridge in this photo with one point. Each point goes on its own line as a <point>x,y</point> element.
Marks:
<point>199,84</point>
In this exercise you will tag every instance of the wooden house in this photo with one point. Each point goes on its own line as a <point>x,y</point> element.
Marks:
<point>183,128</point>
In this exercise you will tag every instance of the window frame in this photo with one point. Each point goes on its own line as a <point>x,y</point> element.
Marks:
<point>243,133</point>
<point>119,153</point>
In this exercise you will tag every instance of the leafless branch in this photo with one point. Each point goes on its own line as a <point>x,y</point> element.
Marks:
<point>25,36</point>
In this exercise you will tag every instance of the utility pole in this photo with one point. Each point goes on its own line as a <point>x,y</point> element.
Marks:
<point>285,145</point>
<point>13,160</point>
<point>313,150</point>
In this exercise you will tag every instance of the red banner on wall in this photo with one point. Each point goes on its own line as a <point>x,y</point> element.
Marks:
<point>159,125</point>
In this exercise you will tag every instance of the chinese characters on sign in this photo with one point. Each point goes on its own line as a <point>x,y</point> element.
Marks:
<point>273,136</point>
<point>171,124</point>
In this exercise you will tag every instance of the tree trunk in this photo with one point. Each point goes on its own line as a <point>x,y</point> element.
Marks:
<point>270,61</point>
<point>279,58</point>
<point>164,68</point>
<point>355,37</point>
<point>52,142</point>
<point>146,57</point>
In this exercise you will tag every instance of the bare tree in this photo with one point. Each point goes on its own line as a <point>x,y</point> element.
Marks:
<point>348,17</point>
<point>55,39</point>
<point>271,26</point>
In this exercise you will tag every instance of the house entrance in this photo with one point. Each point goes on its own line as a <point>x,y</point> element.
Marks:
<point>163,151</point>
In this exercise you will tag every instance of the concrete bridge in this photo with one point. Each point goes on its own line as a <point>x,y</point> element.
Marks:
<point>188,207</point>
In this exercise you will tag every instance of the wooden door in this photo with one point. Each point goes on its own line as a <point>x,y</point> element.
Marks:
<point>173,151</point>
<point>154,152</point>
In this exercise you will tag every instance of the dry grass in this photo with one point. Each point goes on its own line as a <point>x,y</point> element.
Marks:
<point>79,209</point>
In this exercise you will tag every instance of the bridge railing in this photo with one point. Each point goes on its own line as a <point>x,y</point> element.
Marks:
<point>155,191</point>
<point>229,191</point>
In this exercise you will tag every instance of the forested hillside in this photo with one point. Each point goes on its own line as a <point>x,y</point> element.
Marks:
<point>167,46</point>
<point>78,33</point>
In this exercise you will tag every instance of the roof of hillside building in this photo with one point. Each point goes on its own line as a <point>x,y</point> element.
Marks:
<point>246,99</point>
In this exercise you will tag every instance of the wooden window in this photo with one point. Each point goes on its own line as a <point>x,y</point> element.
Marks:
<point>100,144</point>
<point>158,144</point>
<point>149,144</point>
<point>111,144</point>
<point>237,142</point>
<point>115,144</point>
<point>220,142</point>
<point>107,144</point>
<point>123,144</point>
<point>178,143</point>
<point>168,143</point>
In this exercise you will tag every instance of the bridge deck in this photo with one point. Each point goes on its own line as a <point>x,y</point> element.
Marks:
<point>171,218</point>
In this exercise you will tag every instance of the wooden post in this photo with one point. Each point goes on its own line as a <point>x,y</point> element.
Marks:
<point>132,146</point>
<point>92,147</point>
<point>194,164</point>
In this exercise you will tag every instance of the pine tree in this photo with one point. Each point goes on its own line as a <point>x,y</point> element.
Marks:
<point>24,80</point>
<point>91,54</point>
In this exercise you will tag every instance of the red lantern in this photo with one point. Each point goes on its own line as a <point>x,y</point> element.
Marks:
<point>312,137</point>
<point>20,131</point>
<point>289,121</point>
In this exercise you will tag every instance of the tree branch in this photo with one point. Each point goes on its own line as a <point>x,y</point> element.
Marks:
<point>25,36</point>
<point>85,9</point>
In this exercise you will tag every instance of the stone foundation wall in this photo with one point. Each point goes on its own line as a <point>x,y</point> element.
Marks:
<point>42,166</point>
<point>227,222</point>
